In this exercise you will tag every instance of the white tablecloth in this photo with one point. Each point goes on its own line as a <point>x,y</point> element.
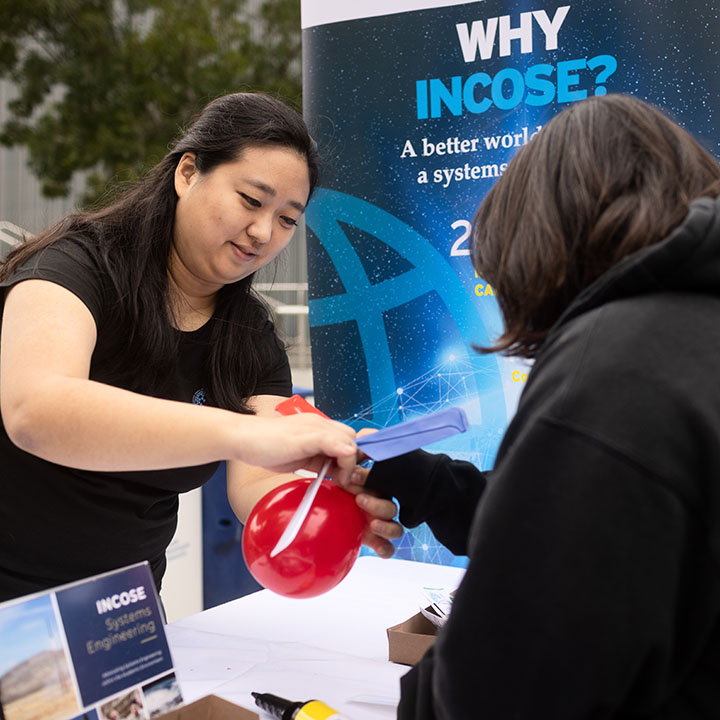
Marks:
<point>332,647</point>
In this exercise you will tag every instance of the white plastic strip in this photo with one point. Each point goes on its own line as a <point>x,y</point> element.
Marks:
<point>296,521</point>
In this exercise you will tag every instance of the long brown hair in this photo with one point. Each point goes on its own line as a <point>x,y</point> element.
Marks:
<point>602,179</point>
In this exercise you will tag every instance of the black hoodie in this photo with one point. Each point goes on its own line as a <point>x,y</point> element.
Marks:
<point>593,584</point>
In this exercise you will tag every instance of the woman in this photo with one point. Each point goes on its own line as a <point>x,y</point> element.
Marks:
<point>133,354</point>
<point>593,588</point>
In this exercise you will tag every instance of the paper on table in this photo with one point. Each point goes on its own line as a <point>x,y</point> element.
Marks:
<point>436,605</point>
<point>436,620</point>
<point>374,700</point>
<point>233,666</point>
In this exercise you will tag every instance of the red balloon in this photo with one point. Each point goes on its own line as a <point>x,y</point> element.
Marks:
<point>324,550</point>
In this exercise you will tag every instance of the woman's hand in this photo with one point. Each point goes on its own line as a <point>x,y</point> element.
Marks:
<point>300,442</point>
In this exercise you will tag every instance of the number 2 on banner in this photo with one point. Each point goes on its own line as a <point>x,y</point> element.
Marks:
<point>457,249</point>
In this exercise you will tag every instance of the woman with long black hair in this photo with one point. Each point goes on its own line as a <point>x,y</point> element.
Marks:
<point>134,354</point>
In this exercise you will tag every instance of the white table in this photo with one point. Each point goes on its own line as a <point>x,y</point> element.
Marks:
<point>332,647</point>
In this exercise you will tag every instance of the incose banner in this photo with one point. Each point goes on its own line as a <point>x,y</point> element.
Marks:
<point>417,107</point>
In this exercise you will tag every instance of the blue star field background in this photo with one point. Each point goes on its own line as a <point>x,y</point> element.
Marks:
<point>393,313</point>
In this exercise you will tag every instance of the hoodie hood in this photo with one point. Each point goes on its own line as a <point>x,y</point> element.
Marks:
<point>688,260</point>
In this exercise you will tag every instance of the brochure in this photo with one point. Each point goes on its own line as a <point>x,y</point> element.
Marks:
<point>90,650</point>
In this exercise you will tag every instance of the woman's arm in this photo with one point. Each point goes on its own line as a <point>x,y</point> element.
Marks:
<point>51,408</point>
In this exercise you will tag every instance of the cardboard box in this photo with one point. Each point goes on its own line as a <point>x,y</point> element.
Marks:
<point>211,707</point>
<point>408,641</point>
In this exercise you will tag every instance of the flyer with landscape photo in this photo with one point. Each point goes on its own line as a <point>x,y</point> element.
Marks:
<point>91,650</point>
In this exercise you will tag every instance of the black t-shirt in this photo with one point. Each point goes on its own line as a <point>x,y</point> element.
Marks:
<point>59,524</point>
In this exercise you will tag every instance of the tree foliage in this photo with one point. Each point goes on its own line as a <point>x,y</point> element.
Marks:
<point>105,85</point>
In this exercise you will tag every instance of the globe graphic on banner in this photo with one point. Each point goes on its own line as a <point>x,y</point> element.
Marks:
<point>392,328</point>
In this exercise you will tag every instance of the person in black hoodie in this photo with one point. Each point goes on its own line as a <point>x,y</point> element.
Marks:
<point>593,584</point>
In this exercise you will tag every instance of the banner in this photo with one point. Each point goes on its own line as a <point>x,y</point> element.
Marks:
<point>417,110</point>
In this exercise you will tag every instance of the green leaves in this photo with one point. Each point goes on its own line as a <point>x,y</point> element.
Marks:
<point>104,86</point>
